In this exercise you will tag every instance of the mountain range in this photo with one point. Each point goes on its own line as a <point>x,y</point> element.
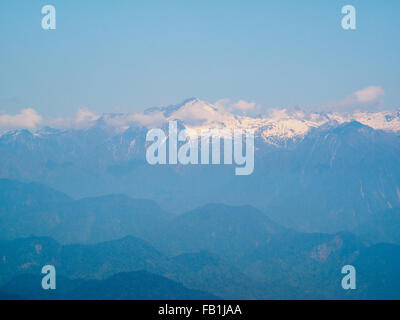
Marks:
<point>325,192</point>
<point>215,251</point>
<point>314,172</point>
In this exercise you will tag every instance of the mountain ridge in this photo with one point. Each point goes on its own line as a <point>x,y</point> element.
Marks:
<point>197,115</point>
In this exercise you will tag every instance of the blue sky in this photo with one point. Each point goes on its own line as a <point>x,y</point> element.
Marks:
<point>130,55</point>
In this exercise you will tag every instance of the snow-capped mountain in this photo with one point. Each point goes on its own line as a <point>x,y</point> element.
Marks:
<point>199,115</point>
<point>276,126</point>
<point>312,171</point>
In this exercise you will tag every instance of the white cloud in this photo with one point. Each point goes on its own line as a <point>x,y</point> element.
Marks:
<point>83,119</point>
<point>26,119</point>
<point>368,98</point>
<point>198,112</point>
<point>241,107</point>
<point>244,106</point>
<point>370,94</point>
<point>84,116</point>
<point>155,119</point>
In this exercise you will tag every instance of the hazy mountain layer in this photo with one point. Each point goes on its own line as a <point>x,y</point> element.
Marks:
<point>312,172</point>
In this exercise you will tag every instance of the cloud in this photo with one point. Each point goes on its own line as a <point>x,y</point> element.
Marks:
<point>244,106</point>
<point>122,121</point>
<point>241,107</point>
<point>370,94</point>
<point>155,119</point>
<point>367,99</point>
<point>83,119</point>
<point>84,116</point>
<point>26,119</point>
<point>198,112</point>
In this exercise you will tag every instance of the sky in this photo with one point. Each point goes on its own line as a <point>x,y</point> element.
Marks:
<point>129,55</point>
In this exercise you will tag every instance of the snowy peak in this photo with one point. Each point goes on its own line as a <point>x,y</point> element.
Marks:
<point>275,127</point>
<point>385,120</point>
<point>199,115</point>
<point>194,113</point>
